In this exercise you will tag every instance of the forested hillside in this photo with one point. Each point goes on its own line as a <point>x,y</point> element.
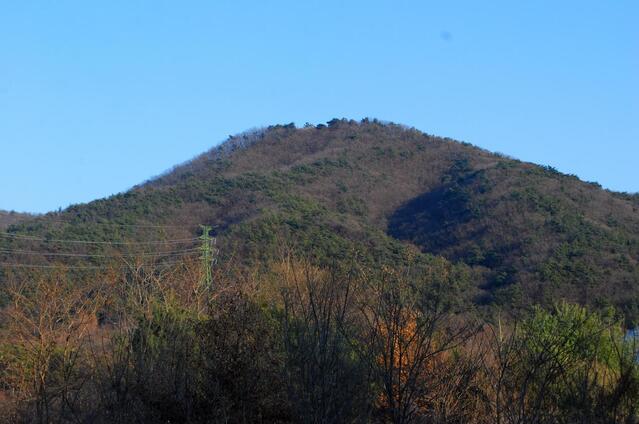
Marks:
<point>524,233</point>
<point>10,218</point>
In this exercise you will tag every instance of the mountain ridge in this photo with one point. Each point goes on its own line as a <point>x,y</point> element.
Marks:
<point>8,218</point>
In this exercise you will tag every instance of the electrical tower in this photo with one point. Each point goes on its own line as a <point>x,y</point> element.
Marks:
<point>206,247</point>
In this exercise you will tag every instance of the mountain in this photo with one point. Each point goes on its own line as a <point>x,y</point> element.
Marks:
<point>10,218</point>
<point>520,233</point>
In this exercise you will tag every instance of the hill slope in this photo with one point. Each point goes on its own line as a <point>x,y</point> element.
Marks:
<point>10,218</point>
<point>524,233</point>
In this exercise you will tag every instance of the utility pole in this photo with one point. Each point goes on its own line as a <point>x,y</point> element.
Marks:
<point>206,257</point>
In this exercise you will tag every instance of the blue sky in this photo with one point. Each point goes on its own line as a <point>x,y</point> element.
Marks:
<point>98,96</point>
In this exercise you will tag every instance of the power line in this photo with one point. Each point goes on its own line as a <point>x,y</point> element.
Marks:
<point>90,255</point>
<point>12,265</point>
<point>74,267</point>
<point>183,253</point>
<point>32,238</point>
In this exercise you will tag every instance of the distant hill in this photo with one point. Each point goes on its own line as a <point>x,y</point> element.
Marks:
<point>523,233</point>
<point>10,218</point>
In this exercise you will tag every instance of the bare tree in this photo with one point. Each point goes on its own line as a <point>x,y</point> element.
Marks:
<point>49,324</point>
<point>326,382</point>
<point>409,328</point>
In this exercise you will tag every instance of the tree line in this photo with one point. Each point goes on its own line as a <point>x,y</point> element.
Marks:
<point>296,341</point>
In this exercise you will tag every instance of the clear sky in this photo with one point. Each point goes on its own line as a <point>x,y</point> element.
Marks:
<point>98,96</point>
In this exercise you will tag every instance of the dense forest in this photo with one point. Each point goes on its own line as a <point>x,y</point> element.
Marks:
<point>355,272</point>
